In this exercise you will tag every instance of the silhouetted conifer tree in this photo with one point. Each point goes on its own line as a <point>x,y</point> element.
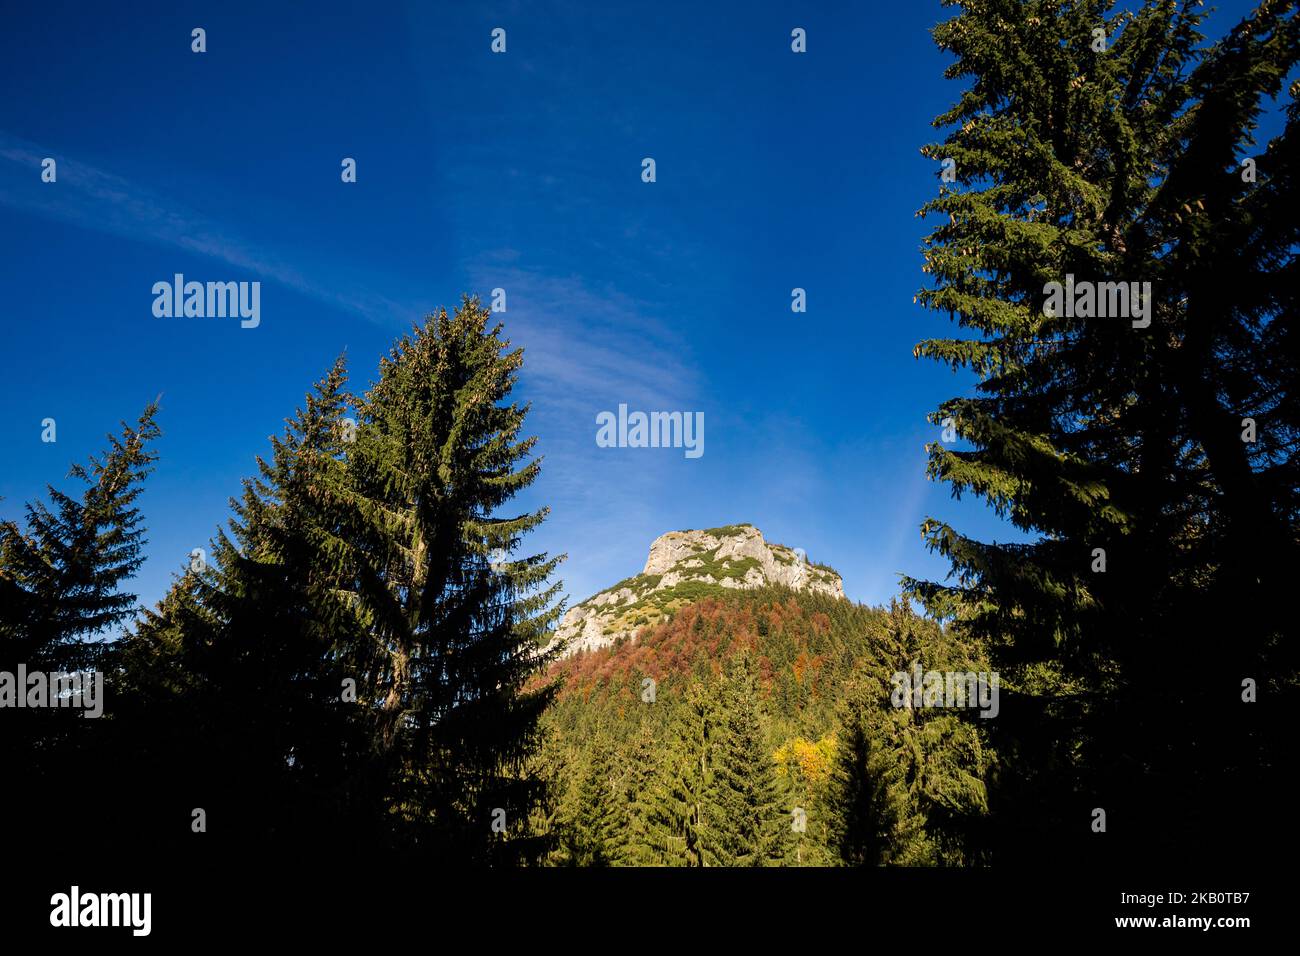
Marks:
<point>1096,147</point>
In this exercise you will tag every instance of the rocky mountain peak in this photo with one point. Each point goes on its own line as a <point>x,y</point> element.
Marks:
<point>682,567</point>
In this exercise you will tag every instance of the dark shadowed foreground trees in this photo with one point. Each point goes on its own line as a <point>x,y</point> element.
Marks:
<point>344,672</point>
<point>61,591</point>
<point>1151,457</point>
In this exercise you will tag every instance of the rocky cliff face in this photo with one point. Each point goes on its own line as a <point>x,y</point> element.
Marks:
<point>683,567</point>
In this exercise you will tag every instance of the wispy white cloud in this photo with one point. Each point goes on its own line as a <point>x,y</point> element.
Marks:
<point>88,197</point>
<point>588,347</point>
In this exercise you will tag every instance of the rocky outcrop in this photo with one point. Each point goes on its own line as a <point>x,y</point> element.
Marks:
<point>682,567</point>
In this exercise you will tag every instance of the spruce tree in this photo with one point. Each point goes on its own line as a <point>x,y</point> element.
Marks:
<point>909,785</point>
<point>599,828</point>
<point>638,797</point>
<point>681,776</point>
<point>243,664</point>
<point>745,821</point>
<point>1094,146</point>
<point>552,816</point>
<point>61,578</point>
<point>61,574</point>
<point>292,638</point>
<point>455,619</point>
<point>872,823</point>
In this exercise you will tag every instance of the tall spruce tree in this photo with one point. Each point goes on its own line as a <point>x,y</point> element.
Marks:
<point>681,777</point>
<point>909,786</point>
<point>872,820</point>
<point>60,575</point>
<point>288,626</point>
<point>455,620</point>
<point>599,827</point>
<point>1092,147</point>
<point>243,664</point>
<point>552,816</point>
<point>61,594</point>
<point>745,821</point>
<point>638,778</point>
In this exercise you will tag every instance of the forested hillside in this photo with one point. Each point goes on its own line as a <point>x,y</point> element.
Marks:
<point>752,728</point>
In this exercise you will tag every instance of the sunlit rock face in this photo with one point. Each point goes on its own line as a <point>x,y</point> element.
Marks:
<point>682,567</point>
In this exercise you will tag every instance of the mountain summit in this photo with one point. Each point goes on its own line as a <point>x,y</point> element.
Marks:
<point>683,567</point>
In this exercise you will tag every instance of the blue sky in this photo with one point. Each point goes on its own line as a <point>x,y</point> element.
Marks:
<point>476,171</point>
